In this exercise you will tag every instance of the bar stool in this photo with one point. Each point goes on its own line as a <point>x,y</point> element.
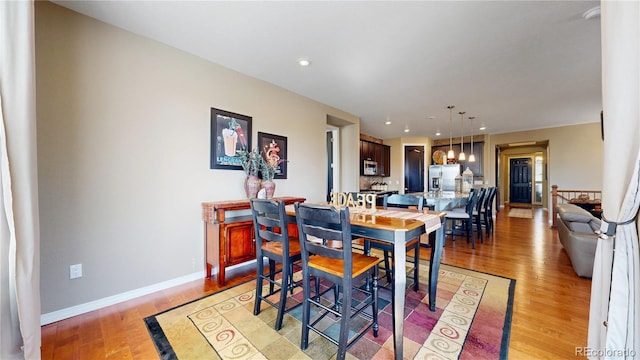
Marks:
<point>465,218</point>
<point>317,225</point>
<point>274,243</point>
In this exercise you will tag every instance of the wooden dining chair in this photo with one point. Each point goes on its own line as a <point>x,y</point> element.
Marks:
<point>274,243</point>
<point>461,221</point>
<point>400,201</point>
<point>339,265</point>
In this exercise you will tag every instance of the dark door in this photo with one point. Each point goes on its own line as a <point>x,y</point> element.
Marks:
<point>329,164</point>
<point>413,169</point>
<point>520,181</point>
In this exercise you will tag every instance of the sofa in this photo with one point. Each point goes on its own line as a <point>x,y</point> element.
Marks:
<point>576,230</point>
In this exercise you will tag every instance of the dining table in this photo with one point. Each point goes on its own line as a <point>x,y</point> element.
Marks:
<point>397,227</point>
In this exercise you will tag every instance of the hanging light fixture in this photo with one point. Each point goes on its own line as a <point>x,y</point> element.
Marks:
<point>450,153</point>
<point>472,156</point>
<point>462,156</point>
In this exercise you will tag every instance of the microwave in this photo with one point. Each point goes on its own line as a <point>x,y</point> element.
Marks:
<point>370,167</point>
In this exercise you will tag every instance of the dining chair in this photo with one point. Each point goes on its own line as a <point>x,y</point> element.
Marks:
<point>487,211</point>
<point>400,201</point>
<point>339,265</point>
<point>477,213</point>
<point>274,243</point>
<point>461,221</point>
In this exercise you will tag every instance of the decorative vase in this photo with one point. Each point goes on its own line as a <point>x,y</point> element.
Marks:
<point>251,186</point>
<point>269,187</point>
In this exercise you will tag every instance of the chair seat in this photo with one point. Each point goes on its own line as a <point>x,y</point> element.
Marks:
<point>360,264</point>
<point>456,215</point>
<point>276,247</point>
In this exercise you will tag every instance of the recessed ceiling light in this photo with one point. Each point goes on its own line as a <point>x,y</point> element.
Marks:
<point>438,134</point>
<point>483,128</point>
<point>406,130</point>
<point>304,62</point>
<point>387,122</point>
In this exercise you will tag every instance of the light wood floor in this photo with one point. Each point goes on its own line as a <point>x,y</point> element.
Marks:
<point>550,314</point>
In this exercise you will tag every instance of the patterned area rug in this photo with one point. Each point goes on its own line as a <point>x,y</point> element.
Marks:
<point>472,321</point>
<point>521,213</point>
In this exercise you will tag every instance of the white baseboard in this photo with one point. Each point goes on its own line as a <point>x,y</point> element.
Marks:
<point>111,300</point>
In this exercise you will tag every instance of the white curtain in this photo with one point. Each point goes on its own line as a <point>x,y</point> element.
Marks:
<point>615,294</point>
<point>19,236</point>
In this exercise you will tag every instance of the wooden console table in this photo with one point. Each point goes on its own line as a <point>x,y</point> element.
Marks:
<point>230,240</point>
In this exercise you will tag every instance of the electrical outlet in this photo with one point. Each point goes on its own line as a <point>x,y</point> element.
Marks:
<point>75,271</point>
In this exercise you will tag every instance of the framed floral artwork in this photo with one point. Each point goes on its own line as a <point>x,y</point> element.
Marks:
<point>230,132</point>
<point>274,151</point>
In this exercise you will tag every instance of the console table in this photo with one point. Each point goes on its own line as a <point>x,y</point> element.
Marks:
<point>229,238</point>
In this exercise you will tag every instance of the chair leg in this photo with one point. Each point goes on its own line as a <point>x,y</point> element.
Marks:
<point>306,306</point>
<point>374,306</point>
<point>416,266</point>
<point>344,321</point>
<point>387,267</point>
<point>260,270</point>
<point>283,294</point>
<point>290,278</point>
<point>470,233</point>
<point>272,275</point>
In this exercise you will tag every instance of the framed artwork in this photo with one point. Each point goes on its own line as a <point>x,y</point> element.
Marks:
<point>274,150</point>
<point>229,132</point>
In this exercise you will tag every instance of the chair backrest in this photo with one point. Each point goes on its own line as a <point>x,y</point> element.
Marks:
<point>330,226</point>
<point>489,203</point>
<point>403,201</point>
<point>471,202</point>
<point>480,201</point>
<point>270,222</point>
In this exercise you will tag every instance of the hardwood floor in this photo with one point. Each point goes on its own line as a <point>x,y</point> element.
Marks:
<point>550,314</point>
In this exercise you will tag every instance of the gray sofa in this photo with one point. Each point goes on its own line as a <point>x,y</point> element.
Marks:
<point>576,228</point>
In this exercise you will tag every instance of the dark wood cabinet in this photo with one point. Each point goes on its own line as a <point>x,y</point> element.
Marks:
<point>230,240</point>
<point>379,153</point>
<point>240,242</point>
<point>384,166</point>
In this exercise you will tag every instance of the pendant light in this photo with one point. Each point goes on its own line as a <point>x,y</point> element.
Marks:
<point>472,156</point>
<point>450,154</point>
<point>462,156</point>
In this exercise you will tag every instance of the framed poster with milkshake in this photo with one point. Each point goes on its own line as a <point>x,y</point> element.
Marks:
<point>229,132</point>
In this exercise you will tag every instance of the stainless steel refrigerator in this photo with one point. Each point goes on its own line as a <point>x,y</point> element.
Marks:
<point>446,174</point>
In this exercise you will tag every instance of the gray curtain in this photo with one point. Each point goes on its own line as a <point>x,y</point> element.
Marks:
<point>19,237</point>
<point>614,318</point>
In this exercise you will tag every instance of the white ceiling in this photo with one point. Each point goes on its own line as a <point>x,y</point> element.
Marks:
<point>514,65</point>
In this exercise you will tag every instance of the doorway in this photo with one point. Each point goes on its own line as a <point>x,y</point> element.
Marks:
<point>520,180</point>
<point>413,169</point>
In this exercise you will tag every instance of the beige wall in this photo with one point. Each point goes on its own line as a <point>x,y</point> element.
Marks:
<point>123,154</point>
<point>396,181</point>
<point>574,156</point>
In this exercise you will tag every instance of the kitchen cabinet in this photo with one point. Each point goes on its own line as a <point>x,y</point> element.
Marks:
<point>384,166</point>
<point>379,153</point>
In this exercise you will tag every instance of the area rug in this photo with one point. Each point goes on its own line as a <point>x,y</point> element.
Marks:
<point>521,213</point>
<point>472,321</point>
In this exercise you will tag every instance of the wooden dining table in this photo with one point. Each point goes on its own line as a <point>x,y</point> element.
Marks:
<point>397,227</point>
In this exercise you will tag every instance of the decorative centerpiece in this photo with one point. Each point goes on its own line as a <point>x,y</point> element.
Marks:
<point>251,164</point>
<point>269,167</point>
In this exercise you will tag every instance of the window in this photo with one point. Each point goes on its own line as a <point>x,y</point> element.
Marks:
<point>539,176</point>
